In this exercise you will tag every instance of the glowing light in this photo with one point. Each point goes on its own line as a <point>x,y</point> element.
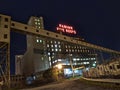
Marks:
<point>66,29</point>
<point>94,64</point>
<point>37,40</point>
<point>59,60</point>
<point>59,66</point>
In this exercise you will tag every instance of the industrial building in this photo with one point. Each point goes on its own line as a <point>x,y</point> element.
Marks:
<point>45,49</point>
<point>43,53</point>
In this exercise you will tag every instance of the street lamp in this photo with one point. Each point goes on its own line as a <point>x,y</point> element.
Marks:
<point>59,66</point>
<point>71,63</point>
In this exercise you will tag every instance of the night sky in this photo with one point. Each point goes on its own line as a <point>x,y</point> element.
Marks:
<point>97,21</point>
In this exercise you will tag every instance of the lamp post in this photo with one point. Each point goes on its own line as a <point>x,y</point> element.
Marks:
<point>59,67</point>
<point>73,74</point>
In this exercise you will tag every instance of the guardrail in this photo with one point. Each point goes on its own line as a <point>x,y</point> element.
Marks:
<point>116,81</point>
<point>109,84</point>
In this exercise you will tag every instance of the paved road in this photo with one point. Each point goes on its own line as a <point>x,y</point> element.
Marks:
<point>68,85</point>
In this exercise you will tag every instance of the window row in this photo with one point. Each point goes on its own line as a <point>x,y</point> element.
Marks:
<point>56,49</point>
<point>76,47</point>
<point>76,50</point>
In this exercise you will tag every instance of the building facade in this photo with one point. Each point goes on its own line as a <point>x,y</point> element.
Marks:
<point>43,53</point>
<point>19,63</point>
<point>35,59</point>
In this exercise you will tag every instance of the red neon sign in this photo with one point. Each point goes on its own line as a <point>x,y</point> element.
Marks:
<point>66,29</point>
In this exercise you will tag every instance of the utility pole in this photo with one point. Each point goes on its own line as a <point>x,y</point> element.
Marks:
<point>71,63</point>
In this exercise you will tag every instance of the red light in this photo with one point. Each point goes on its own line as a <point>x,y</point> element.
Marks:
<point>66,28</point>
<point>59,25</point>
<point>60,29</point>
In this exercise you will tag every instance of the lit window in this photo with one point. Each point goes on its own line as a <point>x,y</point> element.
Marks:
<point>58,42</point>
<point>52,49</point>
<point>66,50</point>
<point>63,63</point>
<point>48,53</point>
<point>87,69</point>
<point>94,64</point>
<point>49,58</point>
<point>55,60</point>
<point>75,63</point>
<point>70,50</point>
<point>40,41</point>
<point>38,23</point>
<point>92,58</point>
<point>37,40</point>
<point>39,27</point>
<point>42,58</point>
<point>74,59</point>
<point>78,59</point>
<point>50,63</point>
<point>51,45</point>
<point>87,62</point>
<point>66,46</point>
<point>51,41</point>
<point>59,46</point>
<point>56,49</point>
<point>54,41</point>
<point>84,63</point>
<point>47,45</point>
<point>59,60</point>
<point>35,19</point>
<point>60,50</point>
<point>55,45</point>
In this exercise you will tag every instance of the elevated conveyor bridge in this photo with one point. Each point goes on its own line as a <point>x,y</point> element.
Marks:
<point>6,25</point>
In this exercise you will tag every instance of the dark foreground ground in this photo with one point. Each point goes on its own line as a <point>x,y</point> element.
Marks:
<point>73,84</point>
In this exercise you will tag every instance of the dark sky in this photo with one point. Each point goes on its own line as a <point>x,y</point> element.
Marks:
<point>97,21</point>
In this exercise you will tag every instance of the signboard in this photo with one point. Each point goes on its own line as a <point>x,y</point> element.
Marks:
<point>65,29</point>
